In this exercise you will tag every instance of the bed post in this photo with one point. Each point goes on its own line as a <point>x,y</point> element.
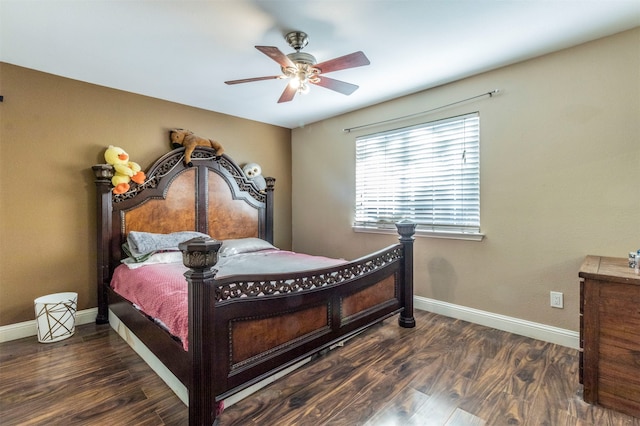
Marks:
<point>103,174</point>
<point>407,229</point>
<point>271,182</point>
<point>200,255</point>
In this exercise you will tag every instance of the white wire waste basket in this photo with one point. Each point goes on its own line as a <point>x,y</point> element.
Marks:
<point>56,316</point>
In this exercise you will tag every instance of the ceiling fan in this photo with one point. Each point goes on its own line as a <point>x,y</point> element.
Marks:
<point>302,68</point>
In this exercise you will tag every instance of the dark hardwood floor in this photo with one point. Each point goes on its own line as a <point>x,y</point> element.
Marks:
<point>443,372</point>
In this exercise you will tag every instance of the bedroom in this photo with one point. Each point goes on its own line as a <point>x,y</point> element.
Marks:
<point>561,166</point>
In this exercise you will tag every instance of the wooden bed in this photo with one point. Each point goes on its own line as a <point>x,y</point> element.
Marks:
<point>242,329</point>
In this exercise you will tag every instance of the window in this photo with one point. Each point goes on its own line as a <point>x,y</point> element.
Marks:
<point>428,173</point>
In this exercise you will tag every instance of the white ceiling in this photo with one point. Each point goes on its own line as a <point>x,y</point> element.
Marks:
<point>183,51</point>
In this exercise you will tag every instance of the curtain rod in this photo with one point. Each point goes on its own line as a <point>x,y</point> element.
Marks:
<point>490,94</point>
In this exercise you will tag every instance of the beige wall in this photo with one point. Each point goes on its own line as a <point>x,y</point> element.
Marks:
<point>52,131</point>
<point>560,179</point>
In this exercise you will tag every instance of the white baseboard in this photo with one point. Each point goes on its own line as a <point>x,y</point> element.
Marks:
<point>518,326</point>
<point>29,328</point>
<point>534,330</point>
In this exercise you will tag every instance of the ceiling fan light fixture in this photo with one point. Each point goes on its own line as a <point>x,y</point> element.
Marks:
<point>300,84</point>
<point>301,76</point>
<point>294,83</point>
<point>304,88</point>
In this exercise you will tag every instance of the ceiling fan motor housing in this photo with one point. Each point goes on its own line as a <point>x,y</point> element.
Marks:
<point>302,58</point>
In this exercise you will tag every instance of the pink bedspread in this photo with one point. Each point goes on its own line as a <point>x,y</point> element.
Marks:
<point>160,290</point>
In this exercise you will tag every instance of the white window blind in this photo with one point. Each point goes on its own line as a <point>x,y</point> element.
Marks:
<point>429,173</point>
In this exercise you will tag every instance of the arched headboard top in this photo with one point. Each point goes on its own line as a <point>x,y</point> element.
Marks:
<point>160,174</point>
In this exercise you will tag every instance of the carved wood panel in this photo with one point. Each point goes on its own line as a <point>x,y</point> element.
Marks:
<point>371,297</point>
<point>252,337</point>
<point>176,213</point>
<point>229,218</point>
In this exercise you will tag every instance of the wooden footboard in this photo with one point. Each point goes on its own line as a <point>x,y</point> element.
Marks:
<point>243,329</point>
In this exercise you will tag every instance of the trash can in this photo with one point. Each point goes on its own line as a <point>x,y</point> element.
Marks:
<point>56,316</point>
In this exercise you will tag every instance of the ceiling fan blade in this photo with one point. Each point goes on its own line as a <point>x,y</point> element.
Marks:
<point>288,94</point>
<point>275,54</point>
<point>249,80</point>
<point>356,59</point>
<point>336,85</point>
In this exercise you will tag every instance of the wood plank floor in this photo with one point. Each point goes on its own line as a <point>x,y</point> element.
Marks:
<point>443,372</point>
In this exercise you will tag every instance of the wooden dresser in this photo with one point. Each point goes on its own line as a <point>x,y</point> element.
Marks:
<point>610,334</point>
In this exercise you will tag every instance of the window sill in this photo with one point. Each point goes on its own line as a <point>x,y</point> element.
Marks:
<point>467,236</point>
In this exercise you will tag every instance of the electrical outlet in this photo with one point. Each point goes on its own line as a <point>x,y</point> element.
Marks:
<point>557,300</point>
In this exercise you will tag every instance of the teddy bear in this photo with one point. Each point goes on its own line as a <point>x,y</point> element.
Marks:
<point>125,171</point>
<point>254,172</point>
<point>186,138</point>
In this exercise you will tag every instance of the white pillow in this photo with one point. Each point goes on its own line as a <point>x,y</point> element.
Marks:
<point>243,245</point>
<point>163,257</point>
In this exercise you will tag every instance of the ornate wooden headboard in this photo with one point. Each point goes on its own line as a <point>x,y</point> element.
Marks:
<point>214,197</point>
